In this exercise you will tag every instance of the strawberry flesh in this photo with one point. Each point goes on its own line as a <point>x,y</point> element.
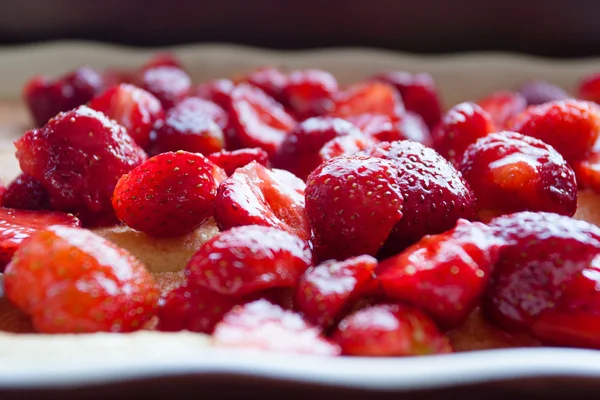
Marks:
<point>368,98</point>
<point>217,91</point>
<point>345,146</point>
<point>309,93</point>
<point>232,160</point>
<point>268,79</point>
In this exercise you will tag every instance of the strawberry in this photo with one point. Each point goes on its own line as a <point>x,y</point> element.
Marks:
<point>380,127</point>
<point>389,330</point>
<point>163,59</point>
<point>345,146</point>
<point>193,125</point>
<point>502,106</point>
<point>308,93</point>
<point>258,120</point>
<point>461,126</point>
<point>256,195</point>
<point>299,152</point>
<point>543,255</point>
<point>168,83</point>
<point>539,92</point>
<point>589,88</point>
<point>72,281</point>
<point>352,204</point>
<point>510,172</point>
<point>367,98</point>
<point>268,79</point>
<point>435,194</point>
<point>46,98</point>
<point>572,127</point>
<point>16,226</point>
<point>217,91</point>
<point>78,157</point>
<point>264,326</point>
<point>326,290</point>
<point>586,170</point>
<point>445,274</point>
<point>249,259</point>
<point>134,108</point>
<point>171,194</point>
<point>232,160</point>
<point>26,193</point>
<point>418,93</point>
<point>413,127</point>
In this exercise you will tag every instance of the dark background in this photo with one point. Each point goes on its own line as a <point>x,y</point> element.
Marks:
<point>558,28</point>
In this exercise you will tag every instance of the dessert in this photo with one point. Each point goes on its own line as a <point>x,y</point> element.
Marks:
<point>284,211</point>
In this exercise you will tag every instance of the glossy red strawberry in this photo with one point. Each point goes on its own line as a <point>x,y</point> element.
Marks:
<point>413,127</point>
<point>268,79</point>
<point>345,146</point>
<point>502,106</point>
<point>328,289</point>
<point>169,195</point>
<point>589,88</point>
<point>461,126</point>
<point>539,92</point>
<point>308,93</point>
<point>257,119</point>
<point>264,326</point>
<point>78,157</point>
<point>232,160</point>
<point>510,172</point>
<point>368,98</point>
<point>134,108</point>
<point>256,195</point>
<point>249,259</point>
<point>217,91</point>
<point>26,193</point>
<point>72,281</point>
<point>46,98</point>
<point>163,59</point>
<point>352,204</point>
<point>299,151</point>
<point>419,94</point>
<point>434,192</point>
<point>389,330</point>
<point>380,127</point>
<point>572,127</point>
<point>444,275</point>
<point>16,226</point>
<point>169,84</point>
<point>587,172</point>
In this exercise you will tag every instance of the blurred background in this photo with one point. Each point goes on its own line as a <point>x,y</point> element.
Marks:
<point>557,28</point>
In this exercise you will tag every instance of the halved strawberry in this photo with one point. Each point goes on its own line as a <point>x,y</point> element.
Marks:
<point>248,259</point>
<point>588,172</point>
<point>444,275</point>
<point>345,146</point>
<point>264,326</point>
<point>389,330</point>
<point>378,126</point>
<point>308,93</point>
<point>256,195</point>
<point>232,160</point>
<point>16,226</point>
<point>413,127</point>
<point>26,193</point>
<point>268,79</point>
<point>168,83</point>
<point>326,290</point>
<point>502,106</point>
<point>217,91</point>
<point>368,98</point>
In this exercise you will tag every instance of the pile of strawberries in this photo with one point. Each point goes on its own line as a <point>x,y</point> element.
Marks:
<point>357,220</point>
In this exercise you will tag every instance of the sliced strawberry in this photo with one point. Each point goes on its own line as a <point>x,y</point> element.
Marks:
<point>232,160</point>
<point>268,79</point>
<point>326,290</point>
<point>26,193</point>
<point>588,172</point>
<point>389,330</point>
<point>134,108</point>
<point>249,259</point>
<point>264,326</point>
<point>444,275</point>
<point>169,84</point>
<point>309,93</point>
<point>539,92</point>
<point>299,152</point>
<point>258,120</point>
<point>352,204</point>
<point>345,146</point>
<point>256,195</point>
<point>217,91</point>
<point>377,126</point>
<point>72,281</point>
<point>368,98</point>
<point>502,106</point>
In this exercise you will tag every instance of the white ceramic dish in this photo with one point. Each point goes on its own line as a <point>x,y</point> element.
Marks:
<point>67,363</point>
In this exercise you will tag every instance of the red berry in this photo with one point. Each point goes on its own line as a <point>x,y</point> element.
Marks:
<point>435,194</point>
<point>115,76</point>
<point>72,281</point>
<point>134,108</point>
<point>47,98</point>
<point>542,256</point>
<point>232,160</point>
<point>461,126</point>
<point>539,92</point>
<point>193,125</point>
<point>78,157</point>
<point>587,172</point>
<point>258,120</point>
<point>328,289</point>
<point>572,127</point>
<point>16,226</point>
<point>345,146</point>
<point>262,325</point>
<point>510,172</point>
<point>589,88</point>
<point>299,152</point>
<point>169,84</point>
<point>169,195</point>
<point>217,91</point>
<point>389,330</point>
<point>502,106</point>
<point>444,275</point>
<point>352,204</point>
<point>249,259</point>
<point>309,92</point>
<point>164,59</point>
<point>380,127</point>
<point>256,195</point>
<point>26,193</point>
<point>268,79</point>
<point>368,98</point>
<point>418,92</point>
<point>413,127</point>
